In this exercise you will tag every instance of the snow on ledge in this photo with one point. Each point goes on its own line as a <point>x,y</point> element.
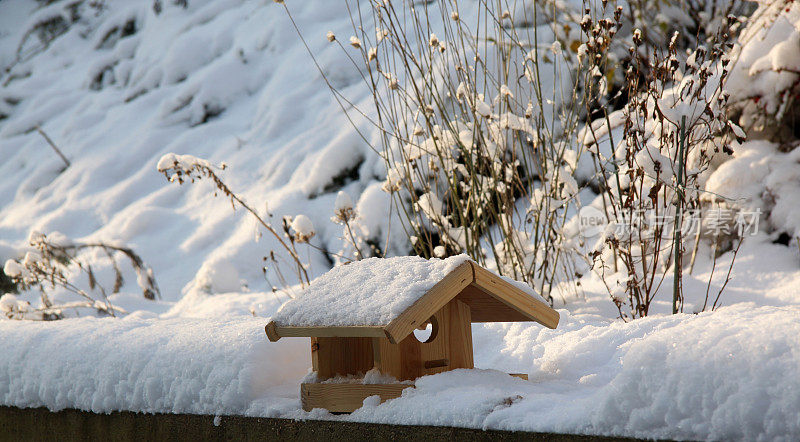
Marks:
<point>728,375</point>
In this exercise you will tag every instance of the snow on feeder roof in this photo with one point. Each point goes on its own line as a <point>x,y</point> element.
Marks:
<point>390,297</point>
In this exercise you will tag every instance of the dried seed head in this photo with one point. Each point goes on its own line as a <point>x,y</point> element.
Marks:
<point>303,228</point>
<point>330,36</point>
<point>454,16</point>
<point>637,37</point>
<point>556,47</point>
<point>582,50</point>
<point>433,41</point>
<point>393,181</point>
<point>586,23</point>
<point>343,210</point>
<point>355,42</point>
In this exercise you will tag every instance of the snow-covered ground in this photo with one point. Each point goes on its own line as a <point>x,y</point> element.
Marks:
<point>731,374</point>
<point>229,81</point>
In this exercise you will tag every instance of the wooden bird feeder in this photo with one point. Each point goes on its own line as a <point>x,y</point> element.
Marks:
<point>468,293</point>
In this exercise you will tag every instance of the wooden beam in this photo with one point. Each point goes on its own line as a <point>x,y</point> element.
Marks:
<point>346,398</point>
<point>514,297</point>
<point>275,332</point>
<point>460,333</point>
<point>272,334</point>
<point>430,303</point>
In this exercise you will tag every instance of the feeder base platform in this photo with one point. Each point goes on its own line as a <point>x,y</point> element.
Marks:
<point>346,398</point>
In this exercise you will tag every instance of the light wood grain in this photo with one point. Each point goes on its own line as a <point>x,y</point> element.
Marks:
<point>460,334</point>
<point>430,303</point>
<point>402,361</point>
<point>341,356</point>
<point>486,308</point>
<point>346,398</point>
<point>325,332</point>
<point>437,348</point>
<point>515,298</point>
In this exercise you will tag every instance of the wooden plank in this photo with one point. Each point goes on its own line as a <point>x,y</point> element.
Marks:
<point>341,356</point>
<point>391,361</point>
<point>486,308</point>
<point>346,398</point>
<point>430,303</point>
<point>325,332</point>
<point>437,349</point>
<point>453,342</point>
<point>460,334</point>
<point>410,359</point>
<point>406,360</point>
<point>515,298</point>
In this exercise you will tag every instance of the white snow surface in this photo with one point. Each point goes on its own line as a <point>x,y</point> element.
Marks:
<point>229,81</point>
<point>730,375</point>
<point>372,291</point>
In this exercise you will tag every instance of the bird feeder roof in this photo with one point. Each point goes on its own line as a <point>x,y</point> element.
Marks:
<point>390,297</point>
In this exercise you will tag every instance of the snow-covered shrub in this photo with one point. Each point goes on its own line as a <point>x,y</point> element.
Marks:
<point>651,159</point>
<point>477,130</point>
<point>495,135</point>
<point>483,158</point>
<point>764,84</point>
<point>52,263</point>
<point>765,79</point>
<point>685,24</point>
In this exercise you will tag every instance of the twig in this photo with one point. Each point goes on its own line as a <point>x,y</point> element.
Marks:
<point>694,249</point>
<point>676,282</point>
<point>728,276</point>
<point>53,145</point>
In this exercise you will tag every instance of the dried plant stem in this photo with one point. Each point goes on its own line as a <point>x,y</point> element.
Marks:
<point>694,250</point>
<point>48,266</point>
<point>175,170</point>
<point>53,145</point>
<point>678,244</point>
<point>728,275</point>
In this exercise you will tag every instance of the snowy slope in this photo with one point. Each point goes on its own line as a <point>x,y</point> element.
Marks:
<point>224,80</point>
<point>230,81</point>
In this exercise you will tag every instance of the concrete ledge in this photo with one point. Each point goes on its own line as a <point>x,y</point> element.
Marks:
<point>40,424</point>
